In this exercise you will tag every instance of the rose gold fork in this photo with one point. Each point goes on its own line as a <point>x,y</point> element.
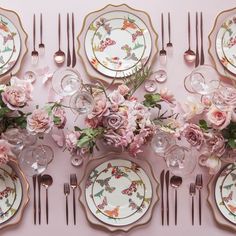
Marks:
<point>73,185</point>
<point>34,53</point>
<point>199,185</point>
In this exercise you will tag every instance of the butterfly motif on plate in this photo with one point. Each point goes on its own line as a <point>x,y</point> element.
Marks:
<point>133,205</point>
<point>130,190</point>
<point>114,212</point>
<point>106,26</point>
<point>117,172</point>
<point>231,208</point>
<point>103,204</point>
<point>128,23</point>
<point>228,198</point>
<point>233,176</point>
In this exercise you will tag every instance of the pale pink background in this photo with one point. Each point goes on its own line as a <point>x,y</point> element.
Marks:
<point>177,70</point>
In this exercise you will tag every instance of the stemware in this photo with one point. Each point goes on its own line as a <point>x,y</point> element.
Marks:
<point>34,53</point>
<point>66,81</point>
<point>180,160</point>
<point>189,55</point>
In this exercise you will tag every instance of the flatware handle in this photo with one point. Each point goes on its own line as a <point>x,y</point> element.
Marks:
<point>167,208</point>
<point>47,206</point>
<point>34,32</point>
<point>162,207</point>
<point>41,28</point>
<point>192,210</point>
<point>202,60</point>
<point>189,32</point>
<point>74,208</point>
<point>68,42</point>
<point>34,189</point>
<point>67,211</point>
<point>73,42</point>
<point>39,198</point>
<point>162,31</point>
<point>59,31</point>
<point>169,29</point>
<point>200,207</point>
<point>197,52</point>
<point>176,206</point>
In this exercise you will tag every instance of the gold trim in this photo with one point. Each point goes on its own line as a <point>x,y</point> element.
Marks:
<point>25,196</point>
<point>211,44</point>
<point>155,41</point>
<point>101,225</point>
<point>24,49</point>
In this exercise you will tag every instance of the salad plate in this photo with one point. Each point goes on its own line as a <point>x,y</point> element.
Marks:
<point>118,192</point>
<point>116,41</point>
<point>13,194</point>
<point>13,44</point>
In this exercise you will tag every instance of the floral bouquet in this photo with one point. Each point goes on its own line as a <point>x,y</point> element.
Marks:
<point>211,128</point>
<point>119,119</point>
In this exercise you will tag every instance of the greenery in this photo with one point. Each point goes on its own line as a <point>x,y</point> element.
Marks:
<point>229,134</point>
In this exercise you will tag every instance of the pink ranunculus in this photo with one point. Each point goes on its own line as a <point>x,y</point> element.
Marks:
<point>59,117</point>
<point>116,98</point>
<point>123,89</point>
<point>101,108</point>
<point>218,118</point>
<point>14,97</point>
<point>71,141</point>
<point>5,152</point>
<point>216,144</point>
<point>112,138</point>
<point>193,135</point>
<point>39,122</point>
<point>113,121</point>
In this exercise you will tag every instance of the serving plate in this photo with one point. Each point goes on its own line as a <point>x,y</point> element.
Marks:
<point>116,195</point>
<point>14,192</point>
<point>16,37</point>
<point>116,40</point>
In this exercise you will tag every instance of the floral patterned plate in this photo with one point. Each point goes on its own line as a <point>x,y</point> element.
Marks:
<point>225,44</point>
<point>117,42</point>
<point>229,191</point>
<point>118,192</point>
<point>11,193</point>
<point>10,42</point>
<point>221,197</point>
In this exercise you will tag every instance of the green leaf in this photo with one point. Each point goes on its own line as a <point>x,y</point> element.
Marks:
<point>56,120</point>
<point>76,128</point>
<point>4,111</point>
<point>152,100</point>
<point>232,143</point>
<point>82,142</point>
<point>203,125</point>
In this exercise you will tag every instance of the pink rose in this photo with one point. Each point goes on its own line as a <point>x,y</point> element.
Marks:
<point>112,138</point>
<point>123,89</point>
<point>219,119</point>
<point>14,97</point>
<point>71,141</point>
<point>114,121</point>
<point>5,152</point>
<point>216,144</point>
<point>116,98</point>
<point>193,135</point>
<point>100,108</point>
<point>39,122</point>
<point>59,117</point>
<point>228,95</point>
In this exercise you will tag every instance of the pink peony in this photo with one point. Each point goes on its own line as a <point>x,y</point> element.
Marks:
<point>193,135</point>
<point>100,108</point>
<point>219,119</point>
<point>14,97</point>
<point>216,144</point>
<point>5,152</point>
<point>123,89</point>
<point>71,141</point>
<point>59,117</point>
<point>39,122</point>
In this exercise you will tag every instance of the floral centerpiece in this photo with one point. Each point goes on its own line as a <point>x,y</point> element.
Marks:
<point>119,119</point>
<point>212,128</point>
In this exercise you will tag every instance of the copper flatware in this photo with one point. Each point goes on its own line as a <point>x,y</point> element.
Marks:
<point>192,192</point>
<point>169,45</point>
<point>175,182</point>
<point>73,185</point>
<point>67,192</point>
<point>199,185</point>
<point>197,50</point>
<point>34,192</point>
<point>68,41</point>
<point>189,54</point>
<point>162,176</point>
<point>162,52</point>
<point>41,44</point>
<point>167,178</point>
<point>73,42</point>
<point>47,181</point>
<point>202,59</point>
<point>34,53</point>
<point>39,197</point>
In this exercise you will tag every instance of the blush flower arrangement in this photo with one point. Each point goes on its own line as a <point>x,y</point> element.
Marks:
<point>212,129</point>
<point>119,119</point>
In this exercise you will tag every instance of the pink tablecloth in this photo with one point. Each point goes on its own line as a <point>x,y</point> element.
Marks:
<point>61,168</point>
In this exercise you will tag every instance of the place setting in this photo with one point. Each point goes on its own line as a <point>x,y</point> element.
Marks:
<point>127,148</point>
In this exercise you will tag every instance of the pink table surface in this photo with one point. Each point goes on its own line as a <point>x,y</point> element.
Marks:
<point>177,70</point>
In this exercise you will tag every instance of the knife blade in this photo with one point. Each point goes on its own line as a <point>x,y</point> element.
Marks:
<point>34,190</point>
<point>162,176</point>
<point>68,41</point>
<point>39,197</point>
<point>167,178</point>
<point>73,42</point>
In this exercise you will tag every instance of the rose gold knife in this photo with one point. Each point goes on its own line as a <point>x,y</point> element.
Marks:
<point>167,178</point>
<point>162,176</point>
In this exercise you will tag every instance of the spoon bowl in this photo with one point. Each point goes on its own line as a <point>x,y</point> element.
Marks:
<point>59,57</point>
<point>189,56</point>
